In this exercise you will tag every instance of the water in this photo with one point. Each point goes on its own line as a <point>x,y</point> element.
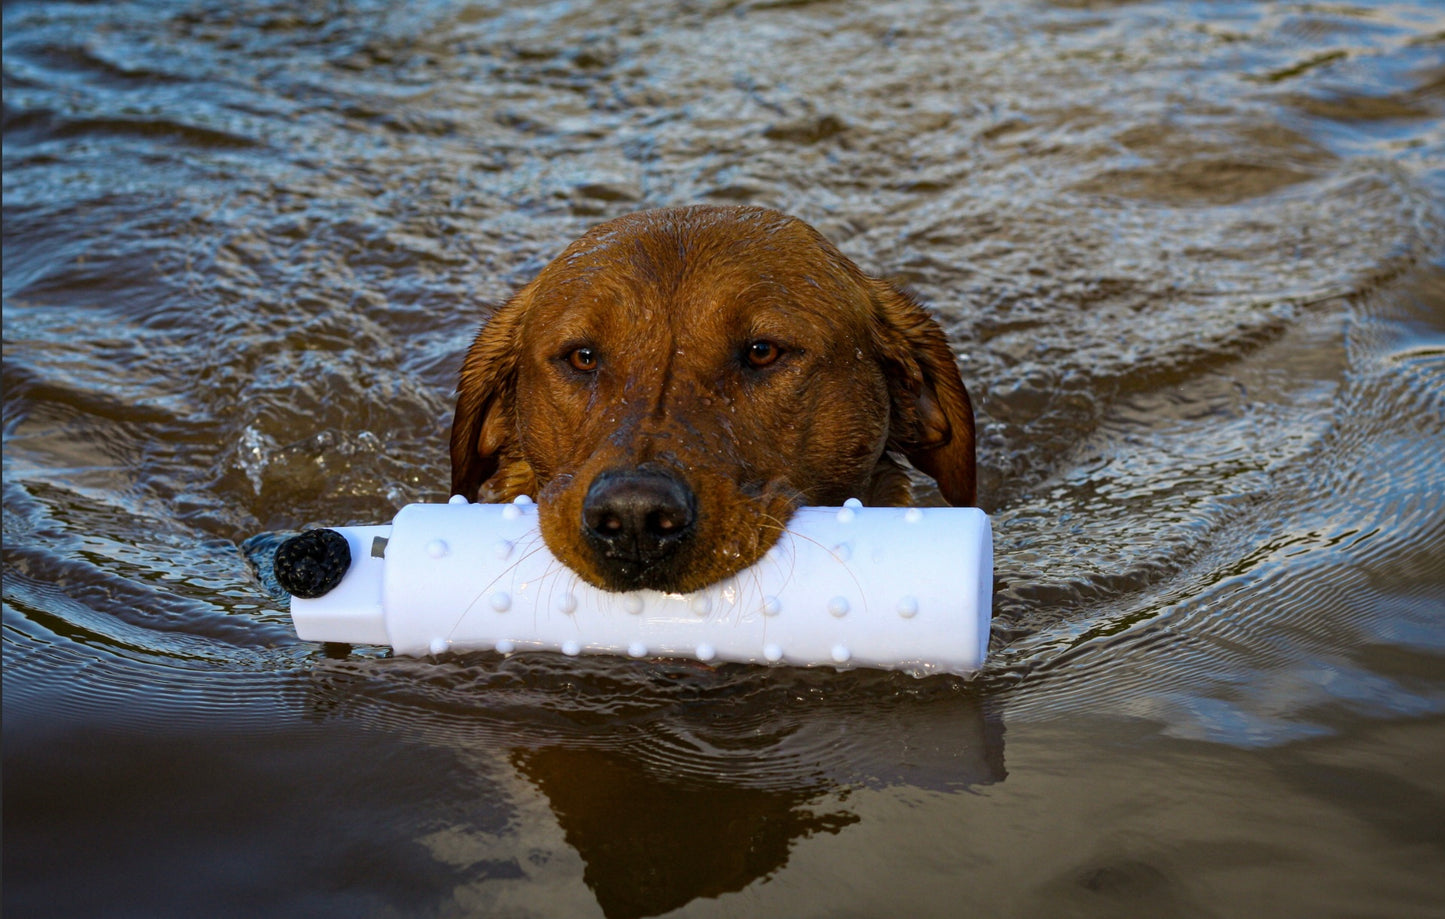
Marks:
<point>1192,258</point>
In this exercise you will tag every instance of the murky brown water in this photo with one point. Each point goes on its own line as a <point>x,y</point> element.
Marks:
<point>1192,256</point>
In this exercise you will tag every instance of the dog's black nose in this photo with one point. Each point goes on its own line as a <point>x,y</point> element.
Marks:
<point>636,519</point>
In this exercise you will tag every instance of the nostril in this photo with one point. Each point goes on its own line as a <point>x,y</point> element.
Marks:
<point>665,522</point>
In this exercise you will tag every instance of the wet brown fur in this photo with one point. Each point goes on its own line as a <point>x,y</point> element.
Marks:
<point>669,300</point>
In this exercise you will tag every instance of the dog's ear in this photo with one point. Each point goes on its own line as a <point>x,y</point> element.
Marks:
<point>483,429</point>
<point>932,417</point>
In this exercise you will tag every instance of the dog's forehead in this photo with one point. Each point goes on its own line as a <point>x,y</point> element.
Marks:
<point>698,265</point>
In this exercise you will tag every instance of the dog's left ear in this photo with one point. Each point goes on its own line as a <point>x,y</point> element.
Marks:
<point>482,429</point>
<point>932,417</point>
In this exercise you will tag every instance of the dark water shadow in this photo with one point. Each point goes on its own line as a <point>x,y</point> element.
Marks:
<point>132,808</point>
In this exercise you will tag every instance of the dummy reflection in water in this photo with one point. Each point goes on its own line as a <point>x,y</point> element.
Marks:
<point>674,782</point>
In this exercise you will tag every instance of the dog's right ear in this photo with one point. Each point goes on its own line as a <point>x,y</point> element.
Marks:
<point>932,421</point>
<point>483,429</point>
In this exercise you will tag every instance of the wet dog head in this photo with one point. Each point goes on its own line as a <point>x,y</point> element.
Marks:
<point>677,382</point>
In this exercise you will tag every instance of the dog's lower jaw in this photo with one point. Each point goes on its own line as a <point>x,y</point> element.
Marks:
<point>627,574</point>
<point>718,550</point>
<point>512,480</point>
<point>889,485</point>
<point>691,570</point>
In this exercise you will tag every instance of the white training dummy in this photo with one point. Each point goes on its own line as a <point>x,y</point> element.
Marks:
<point>888,587</point>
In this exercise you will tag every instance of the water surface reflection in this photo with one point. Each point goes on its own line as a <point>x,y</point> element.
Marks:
<point>669,782</point>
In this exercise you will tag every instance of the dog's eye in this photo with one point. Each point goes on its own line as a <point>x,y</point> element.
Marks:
<point>760,354</point>
<point>583,360</point>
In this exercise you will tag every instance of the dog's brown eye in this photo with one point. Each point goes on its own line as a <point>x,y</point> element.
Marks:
<point>762,353</point>
<point>583,360</point>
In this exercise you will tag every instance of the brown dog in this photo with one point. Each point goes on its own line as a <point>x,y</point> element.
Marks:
<point>677,382</point>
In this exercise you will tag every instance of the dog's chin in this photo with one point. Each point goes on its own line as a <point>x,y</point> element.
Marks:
<point>676,575</point>
<point>623,580</point>
<point>720,549</point>
<point>625,575</point>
